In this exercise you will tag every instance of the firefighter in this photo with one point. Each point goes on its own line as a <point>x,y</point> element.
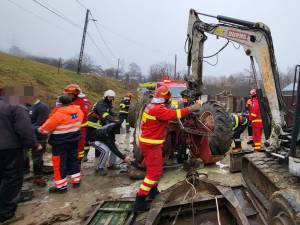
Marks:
<point>239,124</point>
<point>100,115</point>
<point>103,139</point>
<point>64,125</point>
<point>247,111</point>
<point>80,99</point>
<point>16,135</point>
<point>256,121</point>
<point>155,120</point>
<point>124,108</point>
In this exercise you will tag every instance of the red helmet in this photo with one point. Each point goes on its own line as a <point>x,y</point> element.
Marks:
<point>72,89</point>
<point>129,95</point>
<point>253,93</point>
<point>162,92</point>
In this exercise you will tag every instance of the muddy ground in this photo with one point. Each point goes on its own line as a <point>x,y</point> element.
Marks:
<point>45,209</point>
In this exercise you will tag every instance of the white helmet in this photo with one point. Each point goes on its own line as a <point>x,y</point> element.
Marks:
<point>109,93</point>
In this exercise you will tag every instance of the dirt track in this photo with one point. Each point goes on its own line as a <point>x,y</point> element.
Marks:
<point>45,208</point>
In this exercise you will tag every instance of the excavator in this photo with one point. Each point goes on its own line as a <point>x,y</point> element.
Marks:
<point>272,177</point>
<point>271,193</point>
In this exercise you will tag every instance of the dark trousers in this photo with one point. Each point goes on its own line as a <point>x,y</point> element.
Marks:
<point>11,179</point>
<point>250,130</point>
<point>237,135</point>
<point>64,157</point>
<point>122,117</point>
<point>37,160</point>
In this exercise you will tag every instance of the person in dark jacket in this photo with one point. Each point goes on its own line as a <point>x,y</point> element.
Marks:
<point>100,115</point>
<point>124,108</point>
<point>39,113</point>
<point>103,139</point>
<point>16,134</point>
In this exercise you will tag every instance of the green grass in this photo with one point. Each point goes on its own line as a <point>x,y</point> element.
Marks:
<point>49,83</point>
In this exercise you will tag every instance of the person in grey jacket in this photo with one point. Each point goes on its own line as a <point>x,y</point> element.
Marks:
<point>16,134</point>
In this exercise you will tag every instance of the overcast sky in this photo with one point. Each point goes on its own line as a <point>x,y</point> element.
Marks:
<point>144,31</point>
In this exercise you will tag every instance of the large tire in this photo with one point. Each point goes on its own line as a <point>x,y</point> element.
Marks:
<point>135,109</point>
<point>221,141</point>
<point>283,209</point>
<point>139,112</point>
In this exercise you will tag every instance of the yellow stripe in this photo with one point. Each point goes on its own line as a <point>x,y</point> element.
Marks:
<point>256,121</point>
<point>121,111</point>
<point>84,124</point>
<point>164,93</point>
<point>94,125</point>
<point>178,113</point>
<point>145,188</point>
<point>253,114</point>
<point>236,120</point>
<point>151,141</point>
<point>148,181</point>
<point>105,115</point>
<point>147,116</point>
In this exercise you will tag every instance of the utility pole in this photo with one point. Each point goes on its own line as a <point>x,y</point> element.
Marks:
<point>83,41</point>
<point>117,73</point>
<point>175,74</point>
<point>59,64</point>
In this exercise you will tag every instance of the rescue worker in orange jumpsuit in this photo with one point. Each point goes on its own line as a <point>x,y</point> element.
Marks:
<point>79,99</point>
<point>247,111</point>
<point>256,121</point>
<point>64,126</point>
<point>155,119</point>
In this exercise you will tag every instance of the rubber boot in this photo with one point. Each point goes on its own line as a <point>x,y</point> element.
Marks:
<point>153,193</point>
<point>140,205</point>
<point>237,148</point>
<point>55,190</point>
<point>39,181</point>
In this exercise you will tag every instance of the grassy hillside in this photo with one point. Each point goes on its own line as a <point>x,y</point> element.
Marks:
<point>16,71</point>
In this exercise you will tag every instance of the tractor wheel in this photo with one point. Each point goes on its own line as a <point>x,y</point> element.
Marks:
<point>281,211</point>
<point>220,124</point>
<point>139,111</point>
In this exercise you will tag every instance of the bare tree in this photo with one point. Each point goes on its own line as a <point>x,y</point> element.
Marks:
<point>158,70</point>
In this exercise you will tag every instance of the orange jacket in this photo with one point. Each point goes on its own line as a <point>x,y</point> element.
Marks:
<point>62,120</point>
<point>255,116</point>
<point>155,120</point>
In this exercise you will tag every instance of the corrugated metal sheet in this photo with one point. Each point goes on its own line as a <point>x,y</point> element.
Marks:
<point>112,213</point>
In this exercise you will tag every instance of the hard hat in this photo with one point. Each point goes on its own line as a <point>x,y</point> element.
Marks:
<point>72,89</point>
<point>162,92</point>
<point>253,93</point>
<point>109,93</point>
<point>129,94</point>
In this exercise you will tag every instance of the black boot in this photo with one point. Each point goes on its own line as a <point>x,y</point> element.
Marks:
<point>56,190</point>
<point>140,205</point>
<point>153,193</point>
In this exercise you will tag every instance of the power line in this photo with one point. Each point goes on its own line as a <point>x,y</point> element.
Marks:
<point>82,5</point>
<point>57,14</point>
<point>102,38</point>
<point>98,48</point>
<point>35,15</point>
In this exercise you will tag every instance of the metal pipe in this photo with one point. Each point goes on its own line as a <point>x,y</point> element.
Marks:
<point>278,155</point>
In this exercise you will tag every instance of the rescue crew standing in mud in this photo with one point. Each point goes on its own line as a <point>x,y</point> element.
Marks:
<point>64,125</point>
<point>79,99</point>
<point>100,115</point>
<point>124,108</point>
<point>155,120</point>
<point>256,121</point>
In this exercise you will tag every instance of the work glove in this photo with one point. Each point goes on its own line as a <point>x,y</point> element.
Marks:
<point>128,160</point>
<point>196,106</point>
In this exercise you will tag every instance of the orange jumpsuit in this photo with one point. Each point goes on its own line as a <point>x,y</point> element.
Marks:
<point>155,120</point>
<point>64,126</point>
<point>256,121</point>
<point>85,106</point>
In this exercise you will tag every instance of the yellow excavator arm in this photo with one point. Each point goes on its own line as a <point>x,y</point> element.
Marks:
<point>256,40</point>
